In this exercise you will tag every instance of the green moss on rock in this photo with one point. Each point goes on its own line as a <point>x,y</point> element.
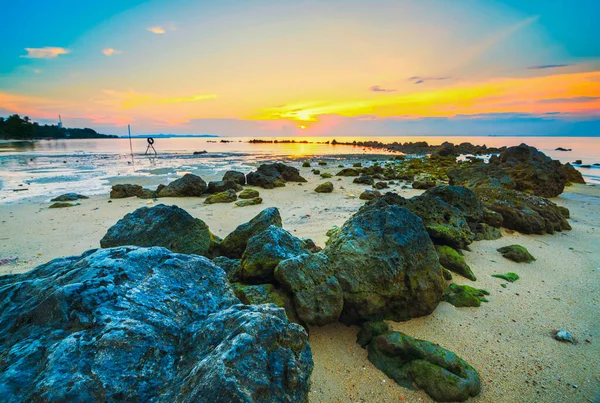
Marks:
<point>326,187</point>
<point>249,202</point>
<point>453,261</point>
<point>228,196</point>
<point>510,276</point>
<point>516,253</point>
<point>249,194</point>
<point>464,295</point>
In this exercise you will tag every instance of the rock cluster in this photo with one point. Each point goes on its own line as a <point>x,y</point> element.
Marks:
<point>269,176</point>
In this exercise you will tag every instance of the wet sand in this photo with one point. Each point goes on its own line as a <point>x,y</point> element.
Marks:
<point>508,340</point>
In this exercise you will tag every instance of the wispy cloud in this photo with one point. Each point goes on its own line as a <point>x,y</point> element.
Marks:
<point>548,66</point>
<point>157,30</point>
<point>377,88</point>
<point>111,51</point>
<point>133,99</point>
<point>568,100</point>
<point>421,80</point>
<point>47,52</point>
<point>194,98</point>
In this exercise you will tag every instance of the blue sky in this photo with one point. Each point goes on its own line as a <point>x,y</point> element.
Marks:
<point>259,67</point>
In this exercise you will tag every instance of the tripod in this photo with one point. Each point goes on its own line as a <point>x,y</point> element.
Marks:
<point>150,141</point>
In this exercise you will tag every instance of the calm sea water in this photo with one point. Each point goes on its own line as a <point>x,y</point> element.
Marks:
<point>47,168</point>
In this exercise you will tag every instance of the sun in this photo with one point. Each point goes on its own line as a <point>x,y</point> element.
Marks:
<point>303,127</point>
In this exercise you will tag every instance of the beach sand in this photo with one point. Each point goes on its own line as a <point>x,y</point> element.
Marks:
<point>507,340</point>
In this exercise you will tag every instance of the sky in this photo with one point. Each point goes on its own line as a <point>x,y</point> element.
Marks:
<point>304,68</point>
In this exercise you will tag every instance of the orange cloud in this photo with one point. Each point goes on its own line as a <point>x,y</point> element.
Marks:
<point>576,92</point>
<point>47,52</point>
<point>111,51</point>
<point>156,30</point>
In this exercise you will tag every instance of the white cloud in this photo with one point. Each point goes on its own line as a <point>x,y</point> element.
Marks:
<point>47,52</point>
<point>111,51</point>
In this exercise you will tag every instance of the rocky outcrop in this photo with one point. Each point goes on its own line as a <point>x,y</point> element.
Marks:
<point>67,197</point>
<point>439,372</point>
<point>386,265</point>
<point>269,176</point>
<point>325,187</point>
<point>572,174</point>
<point>448,212</point>
<point>227,196</point>
<point>187,186</point>
<point>364,180</point>
<point>234,244</point>
<point>138,324</point>
<point>260,294</point>
<point>516,253</point>
<point>235,176</point>
<point>265,250</point>
<point>123,191</point>
<point>317,294</point>
<point>222,186</point>
<point>167,226</point>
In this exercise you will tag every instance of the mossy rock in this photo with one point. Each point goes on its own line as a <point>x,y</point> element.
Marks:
<point>228,196</point>
<point>306,164</point>
<point>249,194</point>
<point>369,195</point>
<point>348,172</point>
<point>464,295</point>
<point>249,202</point>
<point>235,243</point>
<point>326,187</point>
<point>316,171</point>
<point>63,205</point>
<point>453,261</point>
<point>357,165</point>
<point>447,274</point>
<point>516,253</point>
<point>332,230</point>
<point>510,276</point>
<point>369,330</point>
<point>266,294</point>
<point>322,163</point>
<point>326,175</point>
<point>439,372</point>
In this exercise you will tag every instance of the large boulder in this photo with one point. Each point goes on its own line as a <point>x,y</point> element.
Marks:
<point>189,185</point>
<point>572,174</point>
<point>234,244</point>
<point>269,176</point>
<point>386,265</point>
<point>442,374</point>
<point>265,250</point>
<point>143,324</point>
<point>448,212</point>
<point>167,226</point>
<point>317,293</point>
<point>235,176</point>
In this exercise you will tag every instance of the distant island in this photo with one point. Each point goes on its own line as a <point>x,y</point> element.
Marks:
<point>15,127</point>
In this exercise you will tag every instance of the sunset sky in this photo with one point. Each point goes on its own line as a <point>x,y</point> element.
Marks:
<point>326,67</point>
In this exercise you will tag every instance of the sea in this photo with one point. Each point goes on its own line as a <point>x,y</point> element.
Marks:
<point>43,169</point>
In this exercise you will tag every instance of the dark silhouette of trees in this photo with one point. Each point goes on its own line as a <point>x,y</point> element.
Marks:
<point>16,128</point>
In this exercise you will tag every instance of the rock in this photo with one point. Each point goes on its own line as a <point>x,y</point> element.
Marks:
<point>510,276</point>
<point>231,267</point>
<point>62,205</point>
<point>200,152</point>
<point>317,293</point>
<point>492,218</point>
<point>123,191</point>
<point>386,265</point>
<point>69,197</point>
<point>562,149</point>
<point>265,250</point>
<point>269,176</point>
<point>369,330</point>
<point>167,226</point>
<point>572,174</point>
<point>235,176</point>
<point>310,245</point>
<point>364,180</point>
<point>578,162</point>
<point>516,253</point>
<point>316,171</point>
<point>448,213</point>
<point>306,164</point>
<point>564,211</point>
<point>464,295</point>
<point>326,187</point>
<point>485,232</point>
<point>326,175</point>
<point>266,294</point>
<point>446,149</point>
<point>249,202</point>
<point>369,195</point>
<point>228,196</point>
<point>423,184</point>
<point>147,194</point>
<point>332,230</point>
<point>439,372</point>
<point>223,186</point>
<point>322,163</point>
<point>564,336</point>
<point>234,244</point>
<point>187,186</point>
<point>381,185</point>
<point>447,274</point>
<point>453,261</point>
<point>348,172</point>
<point>249,194</point>
<point>143,324</point>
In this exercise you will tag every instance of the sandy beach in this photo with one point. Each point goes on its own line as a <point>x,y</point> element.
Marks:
<point>507,340</point>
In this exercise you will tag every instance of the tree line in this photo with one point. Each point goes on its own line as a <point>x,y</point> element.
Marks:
<point>15,127</point>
